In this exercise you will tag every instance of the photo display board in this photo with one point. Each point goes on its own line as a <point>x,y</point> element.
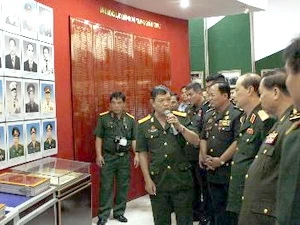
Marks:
<point>27,82</point>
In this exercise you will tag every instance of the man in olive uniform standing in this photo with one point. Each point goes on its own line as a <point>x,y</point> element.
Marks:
<point>115,135</point>
<point>288,192</point>
<point>255,125</point>
<point>2,155</point>
<point>167,172</point>
<point>34,145</point>
<point>16,150</point>
<point>217,146</point>
<point>259,202</point>
<point>195,112</point>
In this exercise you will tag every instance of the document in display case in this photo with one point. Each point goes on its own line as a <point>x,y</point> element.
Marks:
<point>23,184</point>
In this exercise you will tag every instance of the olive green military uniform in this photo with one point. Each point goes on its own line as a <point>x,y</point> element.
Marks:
<point>16,151</point>
<point>259,200</point>
<point>2,155</point>
<point>117,161</point>
<point>33,148</point>
<point>288,191</point>
<point>253,131</point>
<point>169,169</point>
<point>220,130</point>
<point>49,144</point>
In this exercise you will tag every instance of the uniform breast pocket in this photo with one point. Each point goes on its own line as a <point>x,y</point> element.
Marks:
<point>225,131</point>
<point>109,129</point>
<point>251,148</point>
<point>153,139</point>
<point>269,162</point>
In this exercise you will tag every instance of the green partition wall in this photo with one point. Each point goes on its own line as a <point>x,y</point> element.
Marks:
<point>273,61</point>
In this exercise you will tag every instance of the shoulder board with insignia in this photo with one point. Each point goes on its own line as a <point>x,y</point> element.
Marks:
<point>238,108</point>
<point>209,110</point>
<point>104,113</point>
<point>252,118</point>
<point>294,126</point>
<point>263,115</point>
<point>295,115</point>
<point>182,114</point>
<point>144,119</point>
<point>130,115</point>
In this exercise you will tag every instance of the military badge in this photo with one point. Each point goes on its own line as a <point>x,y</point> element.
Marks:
<point>152,129</point>
<point>250,131</point>
<point>224,123</point>
<point>200,112</point>
<point>252,118</point>
<point>226,117</point>
<point>271,138</point>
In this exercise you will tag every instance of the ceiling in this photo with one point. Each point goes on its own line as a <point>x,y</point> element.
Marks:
<point>198,8</point>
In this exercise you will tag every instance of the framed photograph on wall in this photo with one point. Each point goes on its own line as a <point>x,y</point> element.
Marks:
<point>231,76</point>
<point>11,16</point>
<point>29,19</point>
<point>3,147</point>
<point>197,76</point>
<point>46,61</point>
<point>30,59</point>
<point>49,137</point>
<point>33,144</point>
<point>2,110</point>
<point>45,26</point>
<point>47,99</point>
<point>1,53</point>
<point>31,99</point>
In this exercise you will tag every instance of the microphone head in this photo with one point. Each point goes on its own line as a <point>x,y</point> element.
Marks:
<point>167,112</point>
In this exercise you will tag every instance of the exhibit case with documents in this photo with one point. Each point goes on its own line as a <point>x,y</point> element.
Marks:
<point>72,180</point>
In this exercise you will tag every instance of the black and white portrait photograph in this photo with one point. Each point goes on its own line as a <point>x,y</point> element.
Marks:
<point>11,16</point>
<point>48,108</point>
<point>31,99</point>
<point>33,140</point>
<point>3,152</point>
<point>15,142</point>
<point>30,59</point>
<point>14,99</point>
<point>12,51</point>
<point>2,112</point>
<point>1,52</point>
<point>46,62</point>
<point>45,26</point>
<point>29,19</point>
<point>49,137</point>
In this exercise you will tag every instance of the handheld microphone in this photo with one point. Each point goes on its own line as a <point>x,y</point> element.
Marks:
<point>168,112</point>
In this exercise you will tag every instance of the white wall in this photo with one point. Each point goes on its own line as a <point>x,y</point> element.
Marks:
<point>276,27</point>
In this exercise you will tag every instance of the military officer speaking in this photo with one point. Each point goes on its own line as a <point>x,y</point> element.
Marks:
<point>167,172</point>
<point>218,144</point>
<point>259,201</point>
<point>115,135</point>
<point>255,125</point>
<point>288,192</point>
<point>16,150</point>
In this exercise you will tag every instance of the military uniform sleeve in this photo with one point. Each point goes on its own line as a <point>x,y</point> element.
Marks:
<point>99,130</point>
<point>141,142</point>
<point>237,125</point>
<point>134,128</point>
<point>268,124</point>
<point>203,131</point>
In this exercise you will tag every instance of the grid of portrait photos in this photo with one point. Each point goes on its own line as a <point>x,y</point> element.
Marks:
<point>28,129</point>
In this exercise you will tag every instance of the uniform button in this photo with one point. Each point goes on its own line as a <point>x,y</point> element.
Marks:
<point>240,134</point>
<point>237,148</point>
<point>230,177</point>
<point>256,156</point>
<point>247,140</point>
<point>187,143</point>
<point>165,132</point>
<point>265,151</point>
<point>213,137</point>
<point>169,167</point>
<point>232,163</point>
<point>192,123</point>
<point>246,176</point>
<point>216,124</point>
<point>152,173</point>
<point>265,211</point>
<point>166,156</point>
<point>223,128</point>
<point>151,136</point>
<point>165,143</point>
<point>243,198</point>
<point>211,150</point>
<point>227,164</point>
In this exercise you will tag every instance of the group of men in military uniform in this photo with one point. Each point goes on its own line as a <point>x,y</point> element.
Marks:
<point>248,153</point>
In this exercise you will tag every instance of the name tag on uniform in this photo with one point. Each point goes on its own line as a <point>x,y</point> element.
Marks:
<point>271,138</point>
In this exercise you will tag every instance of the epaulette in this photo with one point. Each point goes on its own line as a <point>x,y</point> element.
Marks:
<point>104,113</point>
<point>294,126</point>
<point>295,115</point>
<point>234,106</point>
<point>130,115</point>
<point>144,119</point>
<point>177,113</point>
<point>263,115</point>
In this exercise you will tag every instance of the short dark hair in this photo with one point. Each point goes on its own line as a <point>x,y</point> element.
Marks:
<point>251,79</point>
<point>183,87</point>
<point>11,39</point>
<point>176,95</point>
<point>15,129</point>
<point>31,45</point>
<point>276,78</point>
<point>195,86</point>
<point>159,90</point>
<point>45,47</point>
<point>292,56</point>
<point>117,95</point>
<point>216,78</point>
<point>224,88</point>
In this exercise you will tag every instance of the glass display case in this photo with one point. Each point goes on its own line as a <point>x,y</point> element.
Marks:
<point>60,171</point>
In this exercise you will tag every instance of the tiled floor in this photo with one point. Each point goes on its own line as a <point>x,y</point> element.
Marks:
<point>138,212</point>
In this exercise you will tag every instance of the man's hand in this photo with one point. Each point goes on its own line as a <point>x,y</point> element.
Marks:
<point>100,161</point>
<point>136,160</point>
<point>213,162</point>
<point>202,161</point>
<point>150,187</point>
